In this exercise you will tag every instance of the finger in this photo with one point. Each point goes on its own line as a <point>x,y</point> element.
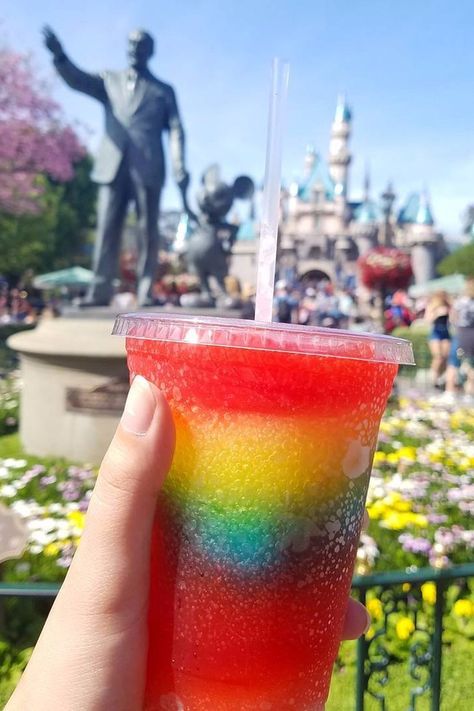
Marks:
<point>91,653</point>
<point>111,564</point>
<point>357,620</point>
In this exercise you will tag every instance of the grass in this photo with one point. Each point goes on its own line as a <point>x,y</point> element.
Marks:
<point>10,446</point>
<point>457,690</point>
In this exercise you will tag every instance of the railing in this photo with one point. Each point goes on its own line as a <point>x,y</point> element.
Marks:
<point>425,658</point>
<point>373,659</point>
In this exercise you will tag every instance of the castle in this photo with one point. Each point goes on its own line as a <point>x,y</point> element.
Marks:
<point>323,231</point>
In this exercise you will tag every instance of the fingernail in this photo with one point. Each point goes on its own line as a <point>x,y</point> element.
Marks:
<point>139,408</point>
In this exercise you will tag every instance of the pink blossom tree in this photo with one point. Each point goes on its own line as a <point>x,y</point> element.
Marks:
<point>34,139</point>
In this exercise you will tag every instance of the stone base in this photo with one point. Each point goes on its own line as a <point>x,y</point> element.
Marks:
<point>61,362</point>
<point>75,382</point>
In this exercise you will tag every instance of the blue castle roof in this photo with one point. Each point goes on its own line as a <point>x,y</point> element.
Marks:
<point>318,176</point>
<point>367,212</point>
<point>416,211</point>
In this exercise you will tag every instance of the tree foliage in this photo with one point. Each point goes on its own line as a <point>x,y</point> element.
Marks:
<point>461,261</point>
<point>58,234</point>
<point>34,139</point>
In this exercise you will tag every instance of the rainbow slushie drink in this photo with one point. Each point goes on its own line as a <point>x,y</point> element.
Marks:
<point>258,524</point>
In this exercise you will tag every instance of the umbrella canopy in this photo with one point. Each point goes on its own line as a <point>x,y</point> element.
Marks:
<point>74,276</point>
<point>452,284</point>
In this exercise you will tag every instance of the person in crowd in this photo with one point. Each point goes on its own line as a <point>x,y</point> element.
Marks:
<point>248,302</point>
<point>463,317</point>
<point>399,313</point>
<point>284,303</point>
<point>347,307</point>
<point>453,374</point>
<point>307,308</point>
<point>437,314</point>
<point>327,307</point>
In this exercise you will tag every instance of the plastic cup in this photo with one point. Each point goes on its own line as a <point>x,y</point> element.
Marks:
<point>258,523</point>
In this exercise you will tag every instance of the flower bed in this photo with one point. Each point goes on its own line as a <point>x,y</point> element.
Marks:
<point>421,494</point>
<point>420,502</point>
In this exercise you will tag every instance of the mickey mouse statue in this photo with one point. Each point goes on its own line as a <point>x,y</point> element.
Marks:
<point>210,245</point>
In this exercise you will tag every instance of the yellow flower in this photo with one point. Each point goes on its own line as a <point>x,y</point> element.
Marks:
<point>392,458</point>
<point>375,608</point>
<point>398,520</point>
<point>428,593</point>
<point>407,453</point>
<point>406,587</point>
<point>370,633</point>
<point>52,549</point>
<point>404,628</point>
<point>379,457</point>
<point>463,608</point>
<point>77,519</point>
<point>377,510</point>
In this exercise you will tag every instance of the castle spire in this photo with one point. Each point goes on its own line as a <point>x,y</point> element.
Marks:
<point>367,183</point>
<point>339,154</point>
<point>424,215</point>
<point>343,112</point>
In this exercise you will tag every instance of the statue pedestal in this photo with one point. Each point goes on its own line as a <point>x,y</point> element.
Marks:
<point>74,385</point>
<point>75,382</point>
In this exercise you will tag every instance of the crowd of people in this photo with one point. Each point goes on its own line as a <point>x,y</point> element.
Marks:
<point>451,340</point>
<point>16,306</point>
<point>450,321</point>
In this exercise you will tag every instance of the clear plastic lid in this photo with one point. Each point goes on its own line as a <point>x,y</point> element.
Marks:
<point>289,338</point>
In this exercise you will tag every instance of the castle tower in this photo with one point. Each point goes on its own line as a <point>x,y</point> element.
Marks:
<point>366,216</point>
<point>423,239</point>
<point>339,155</point>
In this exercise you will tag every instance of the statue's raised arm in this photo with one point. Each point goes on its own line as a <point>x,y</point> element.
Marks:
<point>74,77</point>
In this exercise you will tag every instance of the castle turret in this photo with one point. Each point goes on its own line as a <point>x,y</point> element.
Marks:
<point>421,237</point>
<point>339,155</point>
<point>366,217</point>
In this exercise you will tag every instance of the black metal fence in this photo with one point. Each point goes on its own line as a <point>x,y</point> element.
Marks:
<point>401,592</point>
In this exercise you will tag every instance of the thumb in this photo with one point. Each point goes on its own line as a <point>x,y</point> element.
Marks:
<point>92,650</point>
<point>111,565</point>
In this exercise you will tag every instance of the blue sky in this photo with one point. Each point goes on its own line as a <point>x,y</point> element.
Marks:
<point>407,68</point>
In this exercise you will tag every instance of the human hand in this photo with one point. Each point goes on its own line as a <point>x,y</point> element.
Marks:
<point>52,42</point>
<point>91,655</point>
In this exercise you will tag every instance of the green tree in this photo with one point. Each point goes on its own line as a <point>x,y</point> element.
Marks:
<point>461,261</point>
<point>75,218</point>
<point>56,237</point>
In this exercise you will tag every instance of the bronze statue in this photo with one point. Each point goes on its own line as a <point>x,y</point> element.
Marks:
<point>130,164</point>
<point>209,246</point>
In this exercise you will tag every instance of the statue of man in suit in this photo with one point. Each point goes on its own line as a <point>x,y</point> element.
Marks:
<point>130,164</point>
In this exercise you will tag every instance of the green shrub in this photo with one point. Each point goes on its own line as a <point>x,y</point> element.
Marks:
<point>418,335</point>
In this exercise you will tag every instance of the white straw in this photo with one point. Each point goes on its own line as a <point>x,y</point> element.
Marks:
<point>271,193</point>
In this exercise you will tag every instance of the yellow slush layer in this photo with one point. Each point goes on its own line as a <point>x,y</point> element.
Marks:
<point>261,459</point>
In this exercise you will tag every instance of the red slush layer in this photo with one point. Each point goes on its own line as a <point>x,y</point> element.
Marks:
<point>233,379</point>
